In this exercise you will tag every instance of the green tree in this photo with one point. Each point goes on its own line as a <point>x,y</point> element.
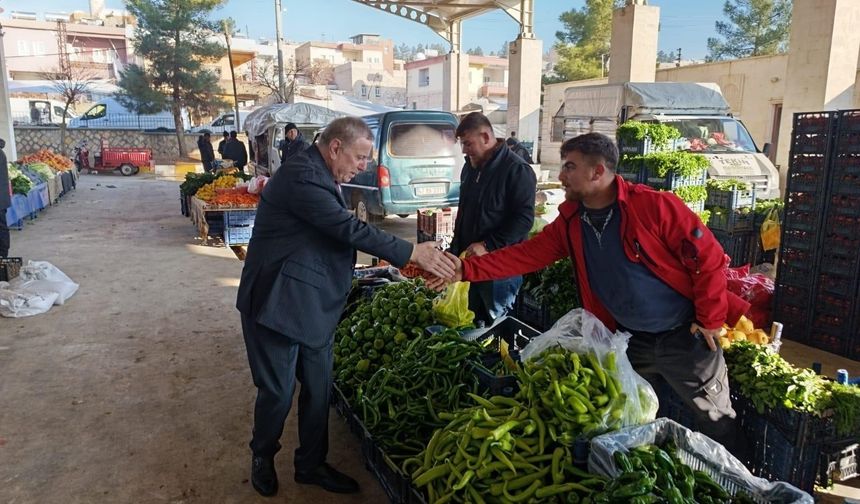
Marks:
<point>666,57</point>
<point>475,51</point>
<point>753,28</point>
<point>503,52</point>
<point>583,45</point>
<point>175,38</point>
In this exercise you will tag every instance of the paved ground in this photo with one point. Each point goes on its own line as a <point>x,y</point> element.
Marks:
<point>138,389</point>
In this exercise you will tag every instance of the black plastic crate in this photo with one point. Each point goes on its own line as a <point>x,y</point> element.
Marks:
<point>813,122</point>
<point>841,285</point>
<point>784,445</point>
<point>394,483</point>
<point>183,205</point>
<point>814,143</point>
<point>800,182</point>
<point>827,338</point>
<point>671,181</point>
<point>843,205</point>
<point>800,201</point>
<point>801,219</point>
<point>849,121</point>
<point>791,307</point>
<point>799,239</point>
<point>730,221</point>
<point>506,385</point>
<point>839,461</point>
<point>738,245</point>
<point>846,183</point>
<point>831,304</point>
<point>735,198</point>
<point>846,163</point>
<point>10,267</point>
<point>632,170</point>
<point>792,295</point>
<point>238,218</point>
<point>838,264</point>
<point>215,220</point>
<point>532,312</point>
<point>508,329</point>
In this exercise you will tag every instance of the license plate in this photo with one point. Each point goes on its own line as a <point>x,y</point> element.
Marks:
<point>430,191</point>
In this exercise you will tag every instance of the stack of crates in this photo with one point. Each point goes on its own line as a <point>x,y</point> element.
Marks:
<point>238,226</point>
<point>802,221</point>
<point>435,224</point>
<point>731,221</point>
<point>834,319</point>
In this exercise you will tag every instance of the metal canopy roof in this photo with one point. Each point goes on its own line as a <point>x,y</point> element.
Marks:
<point>445,16</point>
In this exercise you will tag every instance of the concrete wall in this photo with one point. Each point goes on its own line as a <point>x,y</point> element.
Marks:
<point>752,86</point>
<point>425,97</point>
<point>164,146</point>
<point>392,88</point>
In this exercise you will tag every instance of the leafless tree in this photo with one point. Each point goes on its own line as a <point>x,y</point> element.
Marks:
<point>71,82</point>
<point>319,72</point>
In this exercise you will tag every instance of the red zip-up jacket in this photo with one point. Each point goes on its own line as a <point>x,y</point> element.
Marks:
<point>658,230</point>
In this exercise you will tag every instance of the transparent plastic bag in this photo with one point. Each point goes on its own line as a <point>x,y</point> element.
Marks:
<point>452,307</point>
<point>580,331</point>
<point>697,451</point>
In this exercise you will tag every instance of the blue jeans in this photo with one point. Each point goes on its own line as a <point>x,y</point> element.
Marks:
<point>491,300</point>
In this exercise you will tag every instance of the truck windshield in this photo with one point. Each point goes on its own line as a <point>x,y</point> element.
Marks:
<point>712,135</point>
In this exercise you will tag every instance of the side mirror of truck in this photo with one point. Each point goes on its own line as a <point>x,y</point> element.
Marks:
<point>766,149</point>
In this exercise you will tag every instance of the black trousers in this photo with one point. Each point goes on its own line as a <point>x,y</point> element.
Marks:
<point>5,239</point>
<point>276,362</point>
<point>696,374</point>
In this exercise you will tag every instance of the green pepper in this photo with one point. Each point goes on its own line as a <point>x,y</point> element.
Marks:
<point>664,461</point>
<point>622,462</point>
<point>525,494</point>
<point>703,479</point>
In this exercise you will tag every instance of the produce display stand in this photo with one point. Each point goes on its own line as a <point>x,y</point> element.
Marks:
<point>233,224</point>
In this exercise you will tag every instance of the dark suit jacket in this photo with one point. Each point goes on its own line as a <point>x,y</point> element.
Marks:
<point>5,198</point>
<point>298,269</point>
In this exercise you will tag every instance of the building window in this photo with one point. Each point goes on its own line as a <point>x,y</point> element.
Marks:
<point>23,48</point>
<point>39,48</point>
<point>363,90</point>
<point>424,77</point>
<point>377,92</point>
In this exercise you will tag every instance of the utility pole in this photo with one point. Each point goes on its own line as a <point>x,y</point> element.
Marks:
<point>227,28</point>
<point>6,130</point>
<point>282,90</point>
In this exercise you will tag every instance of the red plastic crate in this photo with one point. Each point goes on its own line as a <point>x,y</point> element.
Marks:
<point>439,222</point>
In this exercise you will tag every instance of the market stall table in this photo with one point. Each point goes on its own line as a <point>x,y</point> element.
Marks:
<point>234,223</point>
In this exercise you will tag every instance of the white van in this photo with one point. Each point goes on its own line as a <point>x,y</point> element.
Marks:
<point>110,114</point>
<point>37,111</point>
<point>224,122</point>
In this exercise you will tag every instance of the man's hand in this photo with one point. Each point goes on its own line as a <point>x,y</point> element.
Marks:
<point>476,249</point>
<point>439,284</point>
<point>711,336</point>
<point>429,257</point>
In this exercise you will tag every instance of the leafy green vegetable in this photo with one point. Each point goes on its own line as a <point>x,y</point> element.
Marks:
<point>692,194</point>
<point>659,134</point>
<point>682,164</point>
<point>554,286</point>
<point>727,185</point>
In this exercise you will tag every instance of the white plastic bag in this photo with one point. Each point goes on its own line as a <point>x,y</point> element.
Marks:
<point>581,332</point>
<point>256,184</point>
<point>42,276</point>
<point>24,303</point>
<point>696,450</point>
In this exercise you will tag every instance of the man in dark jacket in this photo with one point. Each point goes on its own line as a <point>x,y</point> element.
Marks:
<point>496,209</point>
<point>297,274</point>
<point>222,144</point>
<point>207,155</point>
<point>5,201</point>
<point>518,149</point>
<point>293,143</point>
<point>235,151</point>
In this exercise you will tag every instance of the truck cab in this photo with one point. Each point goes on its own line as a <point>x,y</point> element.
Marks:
<point>698,110</point>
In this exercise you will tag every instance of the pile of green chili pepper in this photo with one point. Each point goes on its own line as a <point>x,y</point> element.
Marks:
<point>650,474</point>
<point>398,404</point>
<point>498,451</point>
<point>577,394</point>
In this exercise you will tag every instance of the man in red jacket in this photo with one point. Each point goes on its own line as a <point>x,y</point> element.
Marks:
<point>643,263</point>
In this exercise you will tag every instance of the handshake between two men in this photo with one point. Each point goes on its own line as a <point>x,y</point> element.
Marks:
<point>444,266</point>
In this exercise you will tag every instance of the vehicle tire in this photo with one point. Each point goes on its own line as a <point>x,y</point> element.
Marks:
<point>127,170</point>
<point>136,170</point>
<point>363,213</point>
<point>403,215</point>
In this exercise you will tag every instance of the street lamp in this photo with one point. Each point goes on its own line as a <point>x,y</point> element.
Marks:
<point>282,89</point>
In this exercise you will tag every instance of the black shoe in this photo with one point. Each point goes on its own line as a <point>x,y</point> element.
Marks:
<point>328,478</point>
<point>263,476</point>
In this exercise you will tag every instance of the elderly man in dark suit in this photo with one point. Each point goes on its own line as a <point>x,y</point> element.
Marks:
<point>297,274</point>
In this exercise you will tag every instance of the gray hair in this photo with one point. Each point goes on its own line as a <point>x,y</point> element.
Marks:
<point>347,130</point>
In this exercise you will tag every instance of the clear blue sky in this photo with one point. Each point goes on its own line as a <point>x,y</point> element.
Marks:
<point>684,23</point>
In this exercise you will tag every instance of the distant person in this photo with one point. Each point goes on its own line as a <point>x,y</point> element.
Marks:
<point>5,201</point>
<point>35,115</point>
<point>293,143</point>
<point>235,151</point>
<point>222,143</point>
<point>207,155</point>
<point>518,149</point>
